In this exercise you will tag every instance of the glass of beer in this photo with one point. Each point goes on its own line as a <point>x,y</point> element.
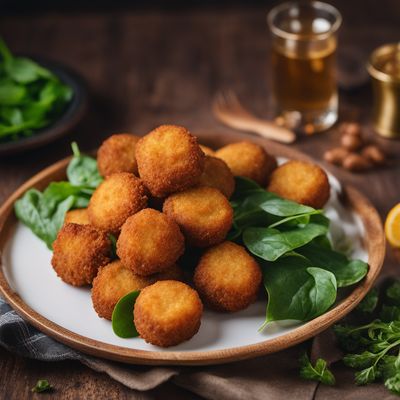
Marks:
<point>303,64</point>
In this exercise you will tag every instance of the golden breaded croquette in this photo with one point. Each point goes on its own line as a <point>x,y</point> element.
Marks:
<point>150,242</point>
<point>78,252</point>
<point>302,182</point>
<point>167,313</point>
<point>203,214</point>
<point>78,216</point>
<point>218,175</point>
<point>227,277</point>
<point>249,160</point>
<point>114,281</point>
<point>117,154</point>
<point>207,150</point>
<point>169,160</point>
<point>117,198</point>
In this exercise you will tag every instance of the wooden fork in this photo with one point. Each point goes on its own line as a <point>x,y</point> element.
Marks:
<point>227,108</point>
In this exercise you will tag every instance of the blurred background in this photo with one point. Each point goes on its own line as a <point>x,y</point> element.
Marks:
<point>152,62</point>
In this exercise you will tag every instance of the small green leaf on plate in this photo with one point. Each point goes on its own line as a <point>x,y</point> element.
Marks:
<point>122,316</point>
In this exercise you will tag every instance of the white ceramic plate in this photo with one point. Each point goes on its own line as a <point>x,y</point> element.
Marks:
<point>32,287</point>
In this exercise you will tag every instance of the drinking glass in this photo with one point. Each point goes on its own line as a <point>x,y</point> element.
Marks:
<point>304,45</point>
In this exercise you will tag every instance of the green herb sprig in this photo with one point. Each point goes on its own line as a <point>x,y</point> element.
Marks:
<point>318,372</point>
<point>42,385</point>
<point>373,349</point>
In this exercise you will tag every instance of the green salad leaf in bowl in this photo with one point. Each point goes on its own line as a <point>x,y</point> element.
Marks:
<point>31,96</point>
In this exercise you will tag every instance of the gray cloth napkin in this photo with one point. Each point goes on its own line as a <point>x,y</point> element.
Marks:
<point>272,377</point>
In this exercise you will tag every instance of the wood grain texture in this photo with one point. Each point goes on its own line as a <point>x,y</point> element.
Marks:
<point>146,67</point>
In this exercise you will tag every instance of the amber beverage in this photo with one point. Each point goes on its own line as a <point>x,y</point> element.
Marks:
<point>303,64</point>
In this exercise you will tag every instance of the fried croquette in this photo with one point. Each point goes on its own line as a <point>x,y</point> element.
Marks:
<point>78,252</point>
<point>114,281</point>
<point>169,160</point>
<point>117,198</point>
<point>167,313</point>
<point>149,242</point>
<point>78,216</point>
<point>117,154</point>
<point>207,150</point>
<point>302,182</point>
<point>218,175</point>
<point>249,160</point>
<point>227,277</point>
<point>203,214</point>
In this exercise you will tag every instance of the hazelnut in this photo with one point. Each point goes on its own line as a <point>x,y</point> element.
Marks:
<point>355,162</point>
<point>350,128</point>
<point>336,155</point>
<point>351,142</point>
<point>374,154</point>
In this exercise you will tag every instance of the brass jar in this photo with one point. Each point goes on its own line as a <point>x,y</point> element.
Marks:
<point>384,69</point>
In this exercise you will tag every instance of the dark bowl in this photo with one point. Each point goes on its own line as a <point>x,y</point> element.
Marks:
<point>71,116</point>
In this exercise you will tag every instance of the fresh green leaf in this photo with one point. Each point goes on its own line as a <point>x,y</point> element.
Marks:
<point>5,52</point>
<point>296,290</point>
<point>347,272</point>
<point>243,186</point>
<point>42,385</point>
<point>11,115</point>
<point>44,212</point>
<point>11,93</point>
<point>82,170</point>
<point>393,293</point>
<point>369,302</point>
<point>122,316</point>
<point>360,361</point>
<point>31,97</point>
<point>393,383</point>
<point>24,70</point>
<point>113,241</point>
<point>366,376</point>
<point>389,313</point>
<point>319,372</point>
<point>270,244</point>
<point>31,209</point>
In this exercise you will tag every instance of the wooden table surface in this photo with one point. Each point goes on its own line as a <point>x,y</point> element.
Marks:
<point>147,67</point>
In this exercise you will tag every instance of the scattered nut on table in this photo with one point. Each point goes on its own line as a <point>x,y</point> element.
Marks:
<point>354,154</point>
<point>356,162</point>
<point>350,128</point>
<point>374,154</point>
<point>351,142</point>
<point>336,155</point>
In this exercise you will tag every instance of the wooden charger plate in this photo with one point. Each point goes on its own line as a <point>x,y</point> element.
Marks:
<point>373,242</point>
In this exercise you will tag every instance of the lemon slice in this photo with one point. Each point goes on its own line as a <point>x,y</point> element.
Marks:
<point>392,226</point>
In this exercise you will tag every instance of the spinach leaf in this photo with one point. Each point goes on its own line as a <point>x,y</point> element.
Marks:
<point>297,290</point>
<point>347,272</point>
<point>243,186</point>
<point>318,372</point>
<point>23,70</point>
<point>11,93</point>
<point>122,316</point>
<point>33,210</point>
<point>82,170</point>
<point>44,212</point>
<point>270,244</point>
<point>34,96</point>
<point>369,302</point>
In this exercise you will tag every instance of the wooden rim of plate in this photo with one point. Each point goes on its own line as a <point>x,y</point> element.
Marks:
<point>374,243</point>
